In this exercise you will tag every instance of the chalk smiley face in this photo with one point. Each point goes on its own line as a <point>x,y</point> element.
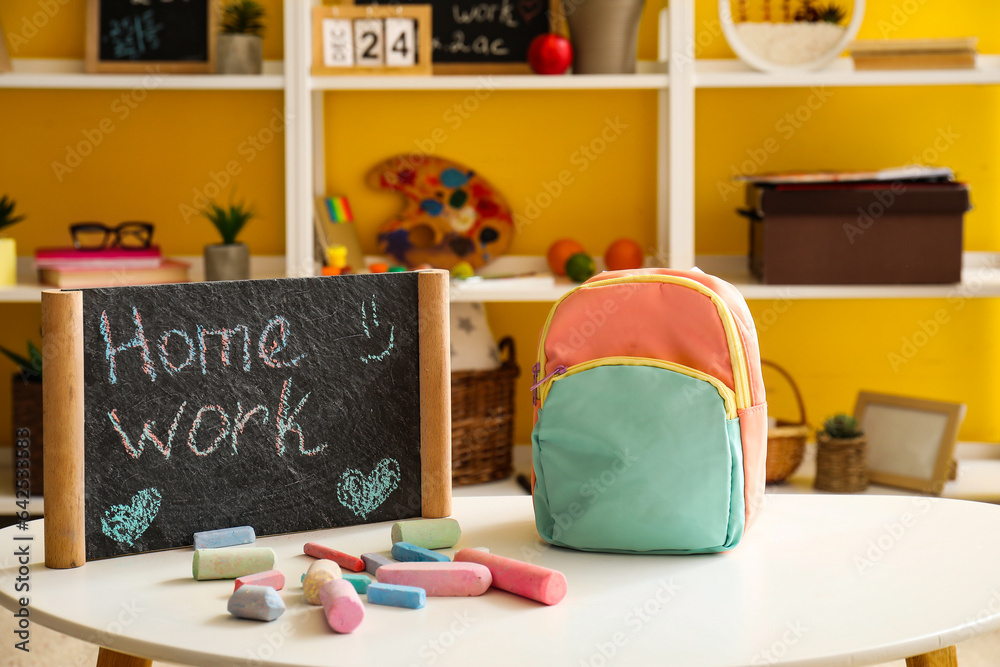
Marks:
<point>127,523</point>
<point>363,494</point>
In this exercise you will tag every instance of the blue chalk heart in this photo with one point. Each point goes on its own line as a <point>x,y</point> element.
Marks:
<point>126,523</point>
<point>362,494</point>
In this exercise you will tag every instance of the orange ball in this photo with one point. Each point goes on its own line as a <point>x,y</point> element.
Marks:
<point>559,252</point>
<point>624,254</point>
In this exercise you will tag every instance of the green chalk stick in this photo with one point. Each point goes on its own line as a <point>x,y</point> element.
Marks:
<point>231,563</point>
<point>427,533</point>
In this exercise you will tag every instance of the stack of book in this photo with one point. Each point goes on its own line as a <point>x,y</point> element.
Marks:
<point>110,267</point>
<point>895,54</point>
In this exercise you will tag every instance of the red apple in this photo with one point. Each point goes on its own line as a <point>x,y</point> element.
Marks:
<point>550,54</point>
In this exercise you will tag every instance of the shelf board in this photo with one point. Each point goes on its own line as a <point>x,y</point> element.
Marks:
<point>651,76</point>
<point>56,74</point>
<point>980,279</point>
<point>731,73</point>
<point>28,290</point>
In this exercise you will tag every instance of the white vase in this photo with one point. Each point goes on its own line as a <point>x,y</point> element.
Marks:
<point>239,54</point>
<point>8,262</point>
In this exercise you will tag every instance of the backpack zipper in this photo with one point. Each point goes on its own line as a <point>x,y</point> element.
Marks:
<point>545,384</point>
<point>737,353</point>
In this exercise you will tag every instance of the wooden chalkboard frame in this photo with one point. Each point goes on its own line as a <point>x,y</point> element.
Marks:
<point>63,414</point>
<point>93,63</point>
<point>420,13</point>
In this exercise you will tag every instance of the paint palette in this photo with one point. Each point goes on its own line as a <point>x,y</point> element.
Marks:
<point>452,214</point>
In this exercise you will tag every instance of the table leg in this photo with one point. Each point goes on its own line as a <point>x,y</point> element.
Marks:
<point>945,657</point>
<point>108,658</point>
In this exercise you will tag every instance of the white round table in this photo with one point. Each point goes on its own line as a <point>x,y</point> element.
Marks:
<point>818,580</point>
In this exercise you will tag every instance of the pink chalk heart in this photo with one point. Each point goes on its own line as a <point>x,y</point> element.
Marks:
<point>529,9</point>
<point>363,494</point>
<point>126,523</point>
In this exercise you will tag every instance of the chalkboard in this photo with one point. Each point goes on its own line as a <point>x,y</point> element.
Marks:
<point>150,36</point>
<point>485,35</point>
<point>286,405</point>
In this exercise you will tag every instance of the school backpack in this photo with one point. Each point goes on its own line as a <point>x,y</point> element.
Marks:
<point>650,419</point>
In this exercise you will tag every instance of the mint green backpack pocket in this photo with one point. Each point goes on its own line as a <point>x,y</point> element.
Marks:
<point>638,455</point>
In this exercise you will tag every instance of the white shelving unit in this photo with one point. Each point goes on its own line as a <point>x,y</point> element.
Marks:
<point>675,76</point>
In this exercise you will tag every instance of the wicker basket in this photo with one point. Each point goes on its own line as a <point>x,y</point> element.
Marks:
<point>841,464</point>
<point>786,442</point>
<point>482,421</point>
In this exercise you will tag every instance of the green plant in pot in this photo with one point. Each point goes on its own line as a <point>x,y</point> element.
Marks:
<point>26,390</point>
<point>240,46</point>
<point>8,247</point>
<point>841,456</point>
<point>228,260</point>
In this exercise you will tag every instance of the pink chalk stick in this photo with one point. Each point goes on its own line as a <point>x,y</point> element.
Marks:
<point>439,579</point>
<point>272,578</point>
<point>341,605</point>
<point>346,561</point>
<point>514,576</point>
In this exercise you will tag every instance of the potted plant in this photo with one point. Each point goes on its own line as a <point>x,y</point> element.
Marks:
<point>8,247</point>
<point>228,260</point>
<point>27,414</point>
<point>841,456</point>
<point>239,47</point>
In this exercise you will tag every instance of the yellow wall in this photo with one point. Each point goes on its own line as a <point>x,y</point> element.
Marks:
<point>172,142</point>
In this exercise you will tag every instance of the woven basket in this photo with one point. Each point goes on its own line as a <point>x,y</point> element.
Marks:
<point>786,442</point>
<point>482,421</point>
<point>841,464</point>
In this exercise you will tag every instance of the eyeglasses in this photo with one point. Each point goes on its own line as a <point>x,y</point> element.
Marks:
<point>96,236</point>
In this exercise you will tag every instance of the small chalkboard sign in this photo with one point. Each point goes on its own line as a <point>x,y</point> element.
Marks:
<point>287,405</point>
<point>141,36</point>
<point>486,36</point>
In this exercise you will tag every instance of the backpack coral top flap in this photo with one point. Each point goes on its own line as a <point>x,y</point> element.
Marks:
<point>650,418</point>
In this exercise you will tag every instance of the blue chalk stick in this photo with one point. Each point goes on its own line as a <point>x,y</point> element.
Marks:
<point>374,561</point>
<point>359,581</point>
<point>410,553</point>
<point>392,595</point>
<point>258,603</point>
<point>224,537</point>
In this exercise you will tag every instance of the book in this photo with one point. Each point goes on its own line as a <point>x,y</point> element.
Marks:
<point>330,231</point>
<point>108,258</point>
<point>167,271</point>
<point>902,54</point>
<point>912,173</point>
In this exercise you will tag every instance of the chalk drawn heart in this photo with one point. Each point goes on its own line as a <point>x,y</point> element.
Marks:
<point>362,494</point>
<point>529,9</point>
<point>126,523</point>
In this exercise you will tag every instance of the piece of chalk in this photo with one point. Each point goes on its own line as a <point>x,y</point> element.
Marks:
<point>374,561</point>
<point>525,579</point>
<point>427,533</point>
<point>258,603</point>
<point>231,563</point>
<point>346,561</point>
<point>341,605</point>
<point>319,573</point>
<point>392,595</point>
<point>224,537</point>
<point>272,578</point>
<point>411,553</point>
<point>359,581</point>
<point>439,579</point>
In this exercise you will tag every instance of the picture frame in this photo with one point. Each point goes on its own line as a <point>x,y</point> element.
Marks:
<point>421,14</point>
<point>911,441</point>
<point>94,63</point>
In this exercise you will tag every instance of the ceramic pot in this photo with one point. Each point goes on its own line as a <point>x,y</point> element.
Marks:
<point>27,422</point>
<point>8,263</point>
<point>227,261</point>
<point>604,35</point>
<point>239,54</point>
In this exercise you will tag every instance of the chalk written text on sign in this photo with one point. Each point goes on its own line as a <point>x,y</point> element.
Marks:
<point>284,404</point>
<point>153,30</point>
